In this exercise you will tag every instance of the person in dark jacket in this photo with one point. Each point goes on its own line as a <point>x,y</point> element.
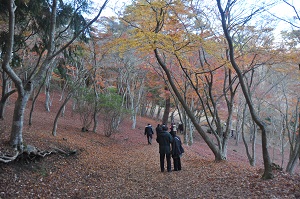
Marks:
<point>158,129</point>
<point>177,151</point>
<point>165,139</point>
<point>149,132</point>
<point>180,128</point>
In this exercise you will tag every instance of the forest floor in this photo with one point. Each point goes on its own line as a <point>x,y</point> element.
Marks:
<point>125,166</point>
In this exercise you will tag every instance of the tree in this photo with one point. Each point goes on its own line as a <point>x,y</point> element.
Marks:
<point>225,17</point>
<point>162,31</point>
<point>25,87</point>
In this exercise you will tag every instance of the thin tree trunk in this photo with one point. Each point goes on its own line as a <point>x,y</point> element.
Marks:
<point>33,103</point>
<point>191,132</point>
<point>268,173</point>
<point>3,101</point>
<point>295,151</point>
<point>47,92</point>
<point>158,112</point>
<point>58,114</point>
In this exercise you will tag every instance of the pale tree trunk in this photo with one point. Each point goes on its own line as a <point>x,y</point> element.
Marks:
<point>238,125</point>
<point>294,142</point>
<point>148,105</point>
<point>229,97</point>
<point>158,112</point>
<point>95,119</point>
<point>294,158</point>
<point>24,88</point>
<point>133,114</point>
<point>190,125</point>
<point>152,110</point>
<point>185,121</point>
<point>63,90</point>
<point>96,109</point>
<point>16,139</point>
<point>282,144</point>
<point>47,93</point>
<point>250,157</point>
<point>138,100</point>
<point>190,132</point>
<point>17,128</point>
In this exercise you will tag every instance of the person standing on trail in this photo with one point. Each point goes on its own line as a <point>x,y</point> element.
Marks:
<point>173,127</point>
<point>149,132</point>
<point>165,139</point>
<point>180,128</point>
<point>177,151</point>
<point>158,129</point>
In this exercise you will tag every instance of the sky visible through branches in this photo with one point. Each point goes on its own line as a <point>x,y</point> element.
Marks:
<point>281,10</point>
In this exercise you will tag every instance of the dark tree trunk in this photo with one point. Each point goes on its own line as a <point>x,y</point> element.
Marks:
<point>167,109</point>
<point>217,153</point>
<point>268,173</point>
<point>59,112</point>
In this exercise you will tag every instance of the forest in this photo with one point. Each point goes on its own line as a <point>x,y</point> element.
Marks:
<point>223,69</point>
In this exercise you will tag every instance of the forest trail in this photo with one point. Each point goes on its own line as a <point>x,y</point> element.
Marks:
<point>125,166</point>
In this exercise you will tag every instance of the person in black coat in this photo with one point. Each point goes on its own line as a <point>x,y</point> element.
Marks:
<point>158,129</point>
<point>165,139</point>
<point>149,132</point>
<point>177,151</point>
<point>180,128</point>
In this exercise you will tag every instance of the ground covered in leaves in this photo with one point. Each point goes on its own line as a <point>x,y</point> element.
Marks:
<point>125,166</point>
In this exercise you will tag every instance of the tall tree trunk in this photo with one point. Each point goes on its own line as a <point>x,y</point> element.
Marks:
<point>16,138</point>
<point>158,112</point>
<point>295,150</point>
<point>190,132</point>
<point>33,103</point>
<point>167,108</point>
<point>268,173</point>
<point>47,93</point>
<point>294,157</point>
<point>58,114</point>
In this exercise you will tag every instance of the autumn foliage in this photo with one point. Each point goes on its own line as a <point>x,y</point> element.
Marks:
<point>125,166</point>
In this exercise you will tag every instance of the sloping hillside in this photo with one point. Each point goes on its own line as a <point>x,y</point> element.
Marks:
<point>125,166</point>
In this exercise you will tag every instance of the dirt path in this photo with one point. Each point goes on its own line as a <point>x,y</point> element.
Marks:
<point>125,166</point>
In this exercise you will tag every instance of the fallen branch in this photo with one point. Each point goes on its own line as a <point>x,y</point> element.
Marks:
<point>64,152</point>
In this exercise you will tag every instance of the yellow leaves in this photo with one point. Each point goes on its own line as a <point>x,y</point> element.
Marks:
<point>156,25</point>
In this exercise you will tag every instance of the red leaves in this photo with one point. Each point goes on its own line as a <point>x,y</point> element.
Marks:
<point>125,166</point>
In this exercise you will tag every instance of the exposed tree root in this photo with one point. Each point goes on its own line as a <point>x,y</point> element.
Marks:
<point>31,153</point>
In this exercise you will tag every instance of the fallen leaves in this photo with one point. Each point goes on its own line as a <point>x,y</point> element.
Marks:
<point>125,166</point>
